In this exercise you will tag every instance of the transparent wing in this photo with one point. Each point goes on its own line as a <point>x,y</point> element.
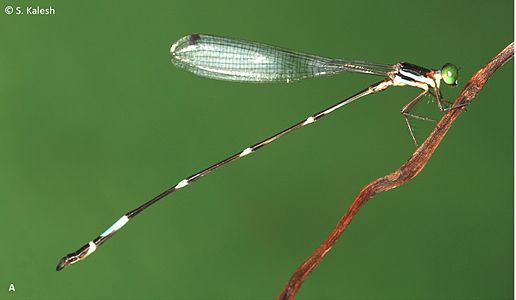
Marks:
<point>236,60</point>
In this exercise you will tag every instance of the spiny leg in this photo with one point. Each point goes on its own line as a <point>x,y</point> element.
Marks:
<point>457,106</point>
<point>437,94</point>
<point>411,132</point>
<point>441,101</point>
<point>406,113</point>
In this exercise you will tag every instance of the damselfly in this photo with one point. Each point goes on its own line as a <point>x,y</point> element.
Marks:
<point>236,60</point>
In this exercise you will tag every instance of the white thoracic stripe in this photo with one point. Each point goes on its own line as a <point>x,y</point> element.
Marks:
<point>410,75</point>
<point>246,152</point>
<point>117,225</point>
<point>399,81</point>
<point>418,78</point>
<point>181,184</point>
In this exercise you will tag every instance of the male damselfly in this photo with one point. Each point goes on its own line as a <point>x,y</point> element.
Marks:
<point>236,60</point>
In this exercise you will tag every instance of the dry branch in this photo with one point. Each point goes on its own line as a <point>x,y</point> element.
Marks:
<point>403,174</point>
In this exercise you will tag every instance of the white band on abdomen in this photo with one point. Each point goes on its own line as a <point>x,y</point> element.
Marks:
<point>118,224</point>
<point>91,249</point>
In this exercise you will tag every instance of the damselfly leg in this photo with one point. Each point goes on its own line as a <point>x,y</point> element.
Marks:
<point>406,112</point>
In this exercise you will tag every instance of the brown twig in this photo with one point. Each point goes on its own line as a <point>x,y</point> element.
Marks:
<point>403,174</point>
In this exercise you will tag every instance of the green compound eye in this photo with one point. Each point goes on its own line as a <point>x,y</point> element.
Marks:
<point>450,74</point>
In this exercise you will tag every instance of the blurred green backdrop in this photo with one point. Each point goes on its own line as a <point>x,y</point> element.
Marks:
<point>94,120</point>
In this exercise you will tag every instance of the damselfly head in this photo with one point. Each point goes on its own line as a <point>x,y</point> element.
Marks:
<point>450,74</point>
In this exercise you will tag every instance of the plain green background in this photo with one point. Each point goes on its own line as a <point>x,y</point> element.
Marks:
<point>94,120</point>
